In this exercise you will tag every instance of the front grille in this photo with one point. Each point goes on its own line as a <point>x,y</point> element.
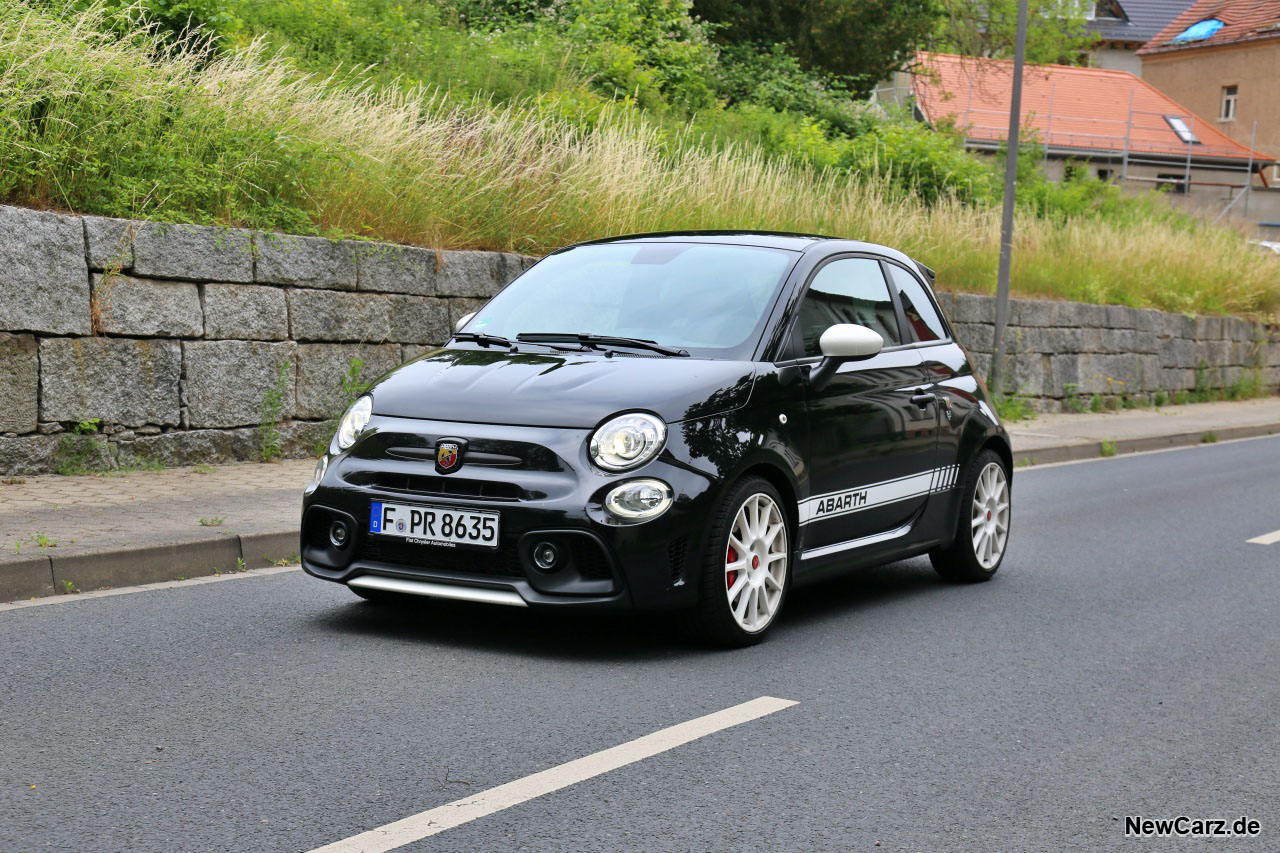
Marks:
<point>443,487</point>
<point>500,562</point>
<point>675,557</point>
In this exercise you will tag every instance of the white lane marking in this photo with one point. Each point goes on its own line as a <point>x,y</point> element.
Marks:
<point>437,820</point>
<point>1267,538</point>
<point>146,587</point>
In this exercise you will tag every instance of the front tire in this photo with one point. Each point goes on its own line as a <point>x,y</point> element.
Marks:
<point>747,571</point>
<point>982,530</point>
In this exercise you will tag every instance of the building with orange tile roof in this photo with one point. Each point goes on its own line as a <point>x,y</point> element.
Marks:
<point>1111,123</point>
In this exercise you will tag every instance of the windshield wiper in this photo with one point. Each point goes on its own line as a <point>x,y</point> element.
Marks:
<point>598,341</point>
<point>483,340</point>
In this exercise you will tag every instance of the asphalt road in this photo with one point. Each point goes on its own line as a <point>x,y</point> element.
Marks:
<point>1123,662</point>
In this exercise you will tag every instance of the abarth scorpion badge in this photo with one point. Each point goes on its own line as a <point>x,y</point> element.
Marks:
<point>448,456</point>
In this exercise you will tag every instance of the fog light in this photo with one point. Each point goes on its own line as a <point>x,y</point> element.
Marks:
<point>639,500</point>
<point>546,556</point>
<point>339,534</point>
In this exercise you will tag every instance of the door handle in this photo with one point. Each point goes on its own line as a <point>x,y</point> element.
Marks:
<point>923,399</point>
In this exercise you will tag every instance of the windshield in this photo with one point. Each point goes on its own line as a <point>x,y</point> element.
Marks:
<point>708,299</point>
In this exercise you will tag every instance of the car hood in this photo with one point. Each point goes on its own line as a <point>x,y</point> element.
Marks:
<point>558,390</point>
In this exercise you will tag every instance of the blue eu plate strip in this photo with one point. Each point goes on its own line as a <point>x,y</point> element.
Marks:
<point>375,517</point>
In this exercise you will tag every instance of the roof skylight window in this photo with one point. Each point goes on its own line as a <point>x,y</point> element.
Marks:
<point>1184,131</point>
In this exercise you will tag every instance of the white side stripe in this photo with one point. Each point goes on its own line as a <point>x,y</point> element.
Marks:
<point>872,495</point>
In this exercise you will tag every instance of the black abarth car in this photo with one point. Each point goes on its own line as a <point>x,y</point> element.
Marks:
<point>665,421</point>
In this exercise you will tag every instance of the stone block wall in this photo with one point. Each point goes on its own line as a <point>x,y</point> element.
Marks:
<point>1063,353</point>
<point>170,336</point>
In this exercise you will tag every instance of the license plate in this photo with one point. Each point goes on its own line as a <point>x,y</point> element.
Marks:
<point>434,525</point>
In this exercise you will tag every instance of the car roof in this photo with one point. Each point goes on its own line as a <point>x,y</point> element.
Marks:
<point>764,239</point>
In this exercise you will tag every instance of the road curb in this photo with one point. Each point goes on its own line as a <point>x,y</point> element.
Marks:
<point>107,568</point>
<point>1096,450</point>
<point>29,577</point>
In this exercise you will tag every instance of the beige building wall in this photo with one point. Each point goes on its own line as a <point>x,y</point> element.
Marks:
<point>1117,59</point>
<point>1195,78</point>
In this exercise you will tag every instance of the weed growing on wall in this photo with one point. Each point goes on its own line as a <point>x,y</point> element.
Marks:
<point>352,386</point>
<point>272,413</point>
<point>80,454</point>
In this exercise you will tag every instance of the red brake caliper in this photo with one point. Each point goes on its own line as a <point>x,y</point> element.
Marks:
<point>731,576</point>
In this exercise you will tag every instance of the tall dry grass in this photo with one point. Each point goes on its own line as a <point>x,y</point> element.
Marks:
<point>248,140</point>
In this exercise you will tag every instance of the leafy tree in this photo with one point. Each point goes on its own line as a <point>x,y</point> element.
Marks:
<point>861,41</point>
<point>1055,29</point>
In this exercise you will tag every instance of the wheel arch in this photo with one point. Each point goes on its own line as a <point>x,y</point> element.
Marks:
<point>1002,448</point>
<point>777,478</point>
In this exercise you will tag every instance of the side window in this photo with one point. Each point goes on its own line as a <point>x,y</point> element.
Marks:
<point>848,290</point>
<point>922,317</point>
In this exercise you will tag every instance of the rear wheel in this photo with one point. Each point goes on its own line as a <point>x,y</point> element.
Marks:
<point>982,530</point>
<point>745,579</point>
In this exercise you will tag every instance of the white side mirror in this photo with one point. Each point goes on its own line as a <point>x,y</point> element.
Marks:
<point>466,318</point>
<point>850,341</point>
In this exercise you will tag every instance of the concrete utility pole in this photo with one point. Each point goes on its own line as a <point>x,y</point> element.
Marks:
<point>1006,222</point>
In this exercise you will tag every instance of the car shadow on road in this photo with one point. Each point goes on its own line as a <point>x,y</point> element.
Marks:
<point>859,591</point>
<point>615,636</point>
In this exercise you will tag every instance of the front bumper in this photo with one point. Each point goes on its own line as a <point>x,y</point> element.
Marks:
<point>649,565</point>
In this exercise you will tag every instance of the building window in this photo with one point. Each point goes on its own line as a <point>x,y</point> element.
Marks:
<point>1184,131</point>
<point>1229,103</point>
<point>1109,10</point>
<point>1104,174</point>
<point>1173,183</point>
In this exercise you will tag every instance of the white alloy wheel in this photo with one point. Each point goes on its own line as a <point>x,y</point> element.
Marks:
<point>755,566</point>
<point>990,524</point>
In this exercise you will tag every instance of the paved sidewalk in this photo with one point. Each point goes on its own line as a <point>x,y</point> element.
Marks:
<point>118,529</point>
<point>1063,437</point>
<point>122,529</point>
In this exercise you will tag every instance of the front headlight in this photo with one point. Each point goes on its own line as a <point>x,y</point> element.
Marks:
<point>354,421</point>
<point>627,441</point>
<point>638,500</point>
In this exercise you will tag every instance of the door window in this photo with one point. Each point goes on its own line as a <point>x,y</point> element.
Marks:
<point>922,318</point>
<point>848,290</point>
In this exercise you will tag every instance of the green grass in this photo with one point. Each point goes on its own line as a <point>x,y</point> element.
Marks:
<point>125,126</point>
